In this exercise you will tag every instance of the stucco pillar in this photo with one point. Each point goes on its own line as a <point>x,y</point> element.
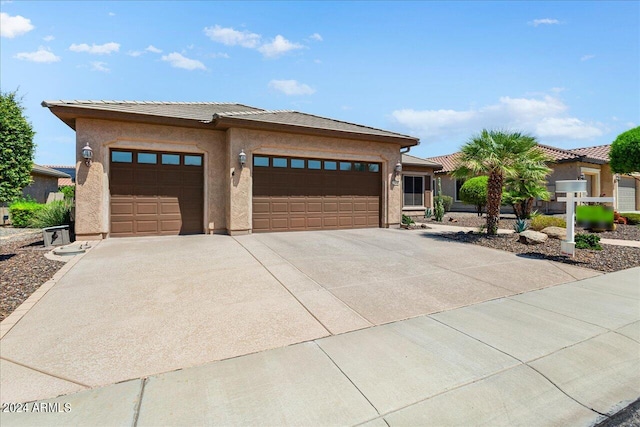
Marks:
<point>91,188</point>
<point>240,185</point>
<point>394,195</point>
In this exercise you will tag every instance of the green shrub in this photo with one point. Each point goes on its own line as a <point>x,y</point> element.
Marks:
<point>428,213</point>
<point>69,192</point>
<point>52,214</point>
<point>447,202</point>
<point>624,154</point>
<point>520,225</point>
<point>23,211</point>
<point>407,220</point>
<point>588,241</point>
<point>632,218</point>
<point>544,221</point>
<point>474,192</point>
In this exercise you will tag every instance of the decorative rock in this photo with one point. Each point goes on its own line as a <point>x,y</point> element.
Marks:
<point>531,237</point>
<point>555,232</point>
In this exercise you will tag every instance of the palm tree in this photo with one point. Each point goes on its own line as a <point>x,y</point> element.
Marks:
<point>499,155</point>
<point>529,183</point>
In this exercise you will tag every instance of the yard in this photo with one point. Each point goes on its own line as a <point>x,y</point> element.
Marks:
<point>610,258</point>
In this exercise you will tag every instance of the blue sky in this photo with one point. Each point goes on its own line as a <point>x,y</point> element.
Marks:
<point>566,72</point>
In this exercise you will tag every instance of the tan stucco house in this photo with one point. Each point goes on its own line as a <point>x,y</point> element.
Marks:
<point>592,162</point>
<point>162,168</point>
<point>44,181</point>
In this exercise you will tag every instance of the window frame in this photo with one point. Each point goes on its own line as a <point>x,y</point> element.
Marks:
<point>413,193</point>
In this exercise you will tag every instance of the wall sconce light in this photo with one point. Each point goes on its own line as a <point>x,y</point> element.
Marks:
<point>582,177</point>
<point>397,169</point>
<point>242,158</point>
<point>87,154</point>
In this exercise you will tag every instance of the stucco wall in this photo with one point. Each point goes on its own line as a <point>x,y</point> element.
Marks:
<point>228,188</point>
<point>92,183</point>
<point>40,187</point>
<point>285,144</point>
<point>427,173</point>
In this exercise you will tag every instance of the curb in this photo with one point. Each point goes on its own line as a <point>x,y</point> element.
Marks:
<point>10,321</point>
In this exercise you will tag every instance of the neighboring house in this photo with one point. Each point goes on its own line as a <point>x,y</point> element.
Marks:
<point>417,178</point>
<point>44,180</point>
<point>69,170</point>
<point>162,168</point>
<point>592,162</point>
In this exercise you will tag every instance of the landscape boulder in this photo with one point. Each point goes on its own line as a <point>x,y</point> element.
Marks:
<point>555,232</point>
<point>531,237</point>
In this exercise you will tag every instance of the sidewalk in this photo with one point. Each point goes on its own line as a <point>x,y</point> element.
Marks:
<point>564,355</point>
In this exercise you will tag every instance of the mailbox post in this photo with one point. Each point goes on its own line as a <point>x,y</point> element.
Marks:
<point>576,191</point>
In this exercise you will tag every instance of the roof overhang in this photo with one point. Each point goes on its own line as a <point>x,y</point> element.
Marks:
<point>69,115</point>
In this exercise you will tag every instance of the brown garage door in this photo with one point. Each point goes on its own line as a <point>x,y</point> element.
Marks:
<point>291,194</point>
<point>155,193</point>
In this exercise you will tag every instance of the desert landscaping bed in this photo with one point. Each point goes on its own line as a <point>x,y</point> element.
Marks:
<point>23,268</point>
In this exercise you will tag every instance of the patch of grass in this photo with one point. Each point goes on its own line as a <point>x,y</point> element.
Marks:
<point>543,221</point>
<point>632,218</point>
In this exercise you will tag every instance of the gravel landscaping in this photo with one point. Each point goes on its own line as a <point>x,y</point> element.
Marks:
<point>23,267</point>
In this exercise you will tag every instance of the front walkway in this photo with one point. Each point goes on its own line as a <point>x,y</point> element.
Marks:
<point>564,355</point>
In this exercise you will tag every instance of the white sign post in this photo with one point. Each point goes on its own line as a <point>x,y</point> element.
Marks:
<point>576,191</point>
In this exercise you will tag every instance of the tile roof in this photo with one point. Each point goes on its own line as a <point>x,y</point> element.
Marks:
<point>43,170</point>
<point>557,155</point>
<point>417,161</point>
<point>64,182</point>
<point>212,112</point>
<point>599,152</point>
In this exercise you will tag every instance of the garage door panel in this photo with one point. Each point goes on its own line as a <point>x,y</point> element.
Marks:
<point>298,223</point>
<point>314,222</point>
<point>155,199</point>
<point>279,223</point>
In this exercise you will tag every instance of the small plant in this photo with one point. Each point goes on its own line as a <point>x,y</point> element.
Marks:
<point>438,212</point>
<point>534,214</point>
<point>447,201</point>
<point>520,226</point>
<point>69,192</point>
<point>22,212</point>
<point>407,220</point>
<point>632,218</point>
<point>482,229</point>
<point>544,221</point>
<point>52,214</point>
<point>428,213</point>
<point>588,241</point>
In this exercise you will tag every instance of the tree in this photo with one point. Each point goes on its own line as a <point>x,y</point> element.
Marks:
<point>528,183</point>
<point>16,148</point>
<point>496,154</point>
<point>474,192</point>
<point>625,152</point>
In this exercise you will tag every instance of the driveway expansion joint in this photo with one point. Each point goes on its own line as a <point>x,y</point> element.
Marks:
<point>136,410</point>
<point>46,373</point>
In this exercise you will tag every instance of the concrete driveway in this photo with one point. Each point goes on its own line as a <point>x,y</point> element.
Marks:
<point>132,308</point>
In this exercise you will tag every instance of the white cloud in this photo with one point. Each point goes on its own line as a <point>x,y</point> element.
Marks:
<point>12,26</point>
<point>545,21</point>
<point>231,37</point>
<point>151,48</point>
<point>291,87</point>
<point>134,53</point>
<point>278,46</point>
<point>544,116</point>
<point>631,125</point>
<point>219,55</point>
<point>178,61</point>
<point>99,66</point>
<point>96,49</point>
<point>587,57</point>
<point>112,14</point>
<point>315,36</point>
<point>48,38</point>
<point>41,55</point>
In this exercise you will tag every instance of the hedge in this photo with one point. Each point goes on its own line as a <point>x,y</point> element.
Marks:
<point>22,212</point>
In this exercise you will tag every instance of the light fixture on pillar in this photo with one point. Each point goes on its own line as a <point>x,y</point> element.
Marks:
<point>242,158</point>
<point>87,154</point>
<point>397,170</point>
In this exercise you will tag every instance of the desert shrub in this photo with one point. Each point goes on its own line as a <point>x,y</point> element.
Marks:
<point>520,225</point>
<point>588,241</point>
<point>407,220</point>
<point>447,202</point>
<point>474,192</point>
<point>632,218</point>
<point>23,211</point>
<point>428,213</point>
<point>52,214</point>
<point>544,221</point>
<point>69,192</point>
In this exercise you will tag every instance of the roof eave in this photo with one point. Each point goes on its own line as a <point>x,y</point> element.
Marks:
<point>221,122</point>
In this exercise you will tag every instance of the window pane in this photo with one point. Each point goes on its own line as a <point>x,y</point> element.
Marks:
<point>314,164</point>
<point>360,167</point>
<point>330,166</point>
<point>148,158</point>
<point>408,185</point>
<point>193,160</point>
<point>279,162</point>
<point>260,161</point>
<point>373,167</point>
<point>170,159</point>
<point>297,164</point>
<point>345,166</point>
<point>417,184</point>
<point>121,156</point>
